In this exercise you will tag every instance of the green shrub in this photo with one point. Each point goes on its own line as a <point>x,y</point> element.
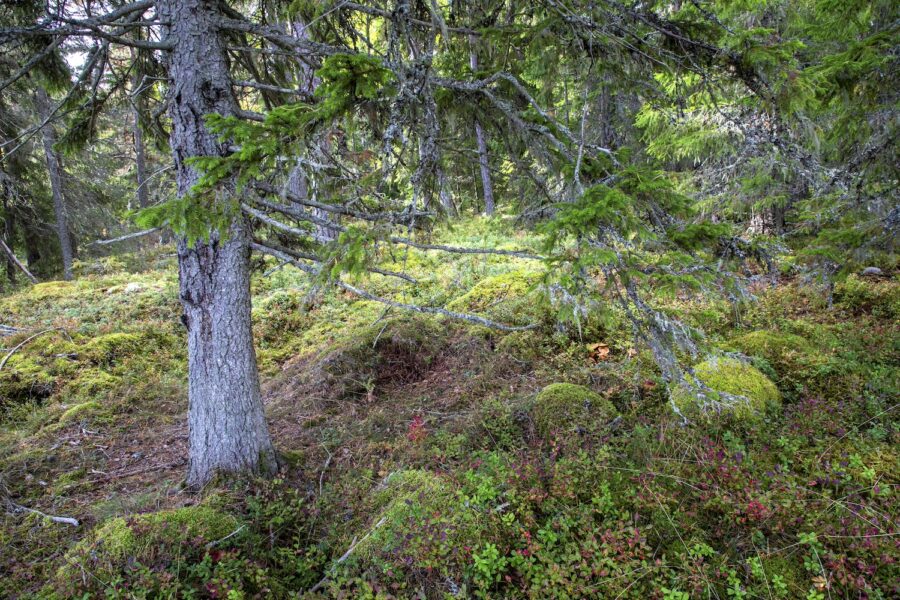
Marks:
<point>419,522</point>
<point>755,393</point>
<point>881,298</point>
<point>564,408</point>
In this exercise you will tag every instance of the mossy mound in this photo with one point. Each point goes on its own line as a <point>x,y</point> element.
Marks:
<point>859,295</point>
<point>511,298</point>
<point>397,352</point>
<point>737,389</point>
<point>110,348</point>
<point>92,384</point>
<point>562,408</point>
<point>151,539</point>
<point>419,520</point>
<point>784,351</point>
<point>22,378</point>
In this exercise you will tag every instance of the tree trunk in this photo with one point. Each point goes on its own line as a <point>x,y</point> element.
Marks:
<point>483,158</point>
<point>143,195</point>
<point>226,422</point>
<point>54,168</point>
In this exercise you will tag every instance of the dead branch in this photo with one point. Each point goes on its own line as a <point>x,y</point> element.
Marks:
<point>126,237</point>
<point>11,255</point>
<point>18,346</point>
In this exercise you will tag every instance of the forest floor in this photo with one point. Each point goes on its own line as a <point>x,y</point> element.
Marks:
<point>431,458</point>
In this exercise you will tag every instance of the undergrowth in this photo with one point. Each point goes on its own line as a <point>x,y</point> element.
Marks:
<point>432,459</point>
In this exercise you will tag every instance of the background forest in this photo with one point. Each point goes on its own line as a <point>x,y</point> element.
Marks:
<point>449,299</point>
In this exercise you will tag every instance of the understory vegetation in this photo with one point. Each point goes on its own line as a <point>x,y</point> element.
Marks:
<point>427,457</point>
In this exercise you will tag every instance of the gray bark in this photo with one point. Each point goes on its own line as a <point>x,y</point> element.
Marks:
<point>226,421</point>
<point>54,169</point>
<point>483,158</point>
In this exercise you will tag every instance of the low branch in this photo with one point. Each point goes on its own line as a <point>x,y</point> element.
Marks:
<point>124,238</point>
<point>313,258</point>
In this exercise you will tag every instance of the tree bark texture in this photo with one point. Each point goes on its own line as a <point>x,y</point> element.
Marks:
<point>55,170</point>
<point>226,421</point>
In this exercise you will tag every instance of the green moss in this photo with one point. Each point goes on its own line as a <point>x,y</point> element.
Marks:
<point>782,350</point>
<point>79,411</point>
<point>419,520</point>
<point>149,539</point>
<point>755,391</point>
<point>107,349</point>
<point>22,378</point>
<point>524,346</point>
<point>510,297</point>
<point>566,407</point>
<point>92,384</point>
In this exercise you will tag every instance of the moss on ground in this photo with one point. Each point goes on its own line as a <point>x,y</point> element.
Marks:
<point>748,393</point>
<point>149,539</point>
<point>566,408</point>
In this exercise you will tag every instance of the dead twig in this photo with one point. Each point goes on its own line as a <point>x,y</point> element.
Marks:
<point>18,346</point>
<point>65,520</point>
<point>347,554</point>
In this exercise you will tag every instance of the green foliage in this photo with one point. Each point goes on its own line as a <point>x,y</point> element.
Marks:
<point>351,79</point>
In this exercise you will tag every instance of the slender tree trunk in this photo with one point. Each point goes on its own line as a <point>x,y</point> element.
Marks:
<point>143,195</point>
<point>298,183</point>
<point>54,168</point>
<point>9,232</point>
<point>483,158</point>
<point>226,422</point>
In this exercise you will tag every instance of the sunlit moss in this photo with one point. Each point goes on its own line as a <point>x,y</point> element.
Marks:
<point>564,408</point>
<point>747,392</point>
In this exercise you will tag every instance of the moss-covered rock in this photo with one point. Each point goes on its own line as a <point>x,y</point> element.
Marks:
<point>419,520</point>
<point>562,408</point>
<point>736,388</point>
<point>151,539</point>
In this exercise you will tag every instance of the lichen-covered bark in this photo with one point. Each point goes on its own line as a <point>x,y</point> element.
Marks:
<point>227,427</point>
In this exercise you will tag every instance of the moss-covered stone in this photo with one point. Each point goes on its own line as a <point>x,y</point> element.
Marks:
<point>747,392</point>
<point>419,520</point>
<point>567,408</point>
<point>148,539</point>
